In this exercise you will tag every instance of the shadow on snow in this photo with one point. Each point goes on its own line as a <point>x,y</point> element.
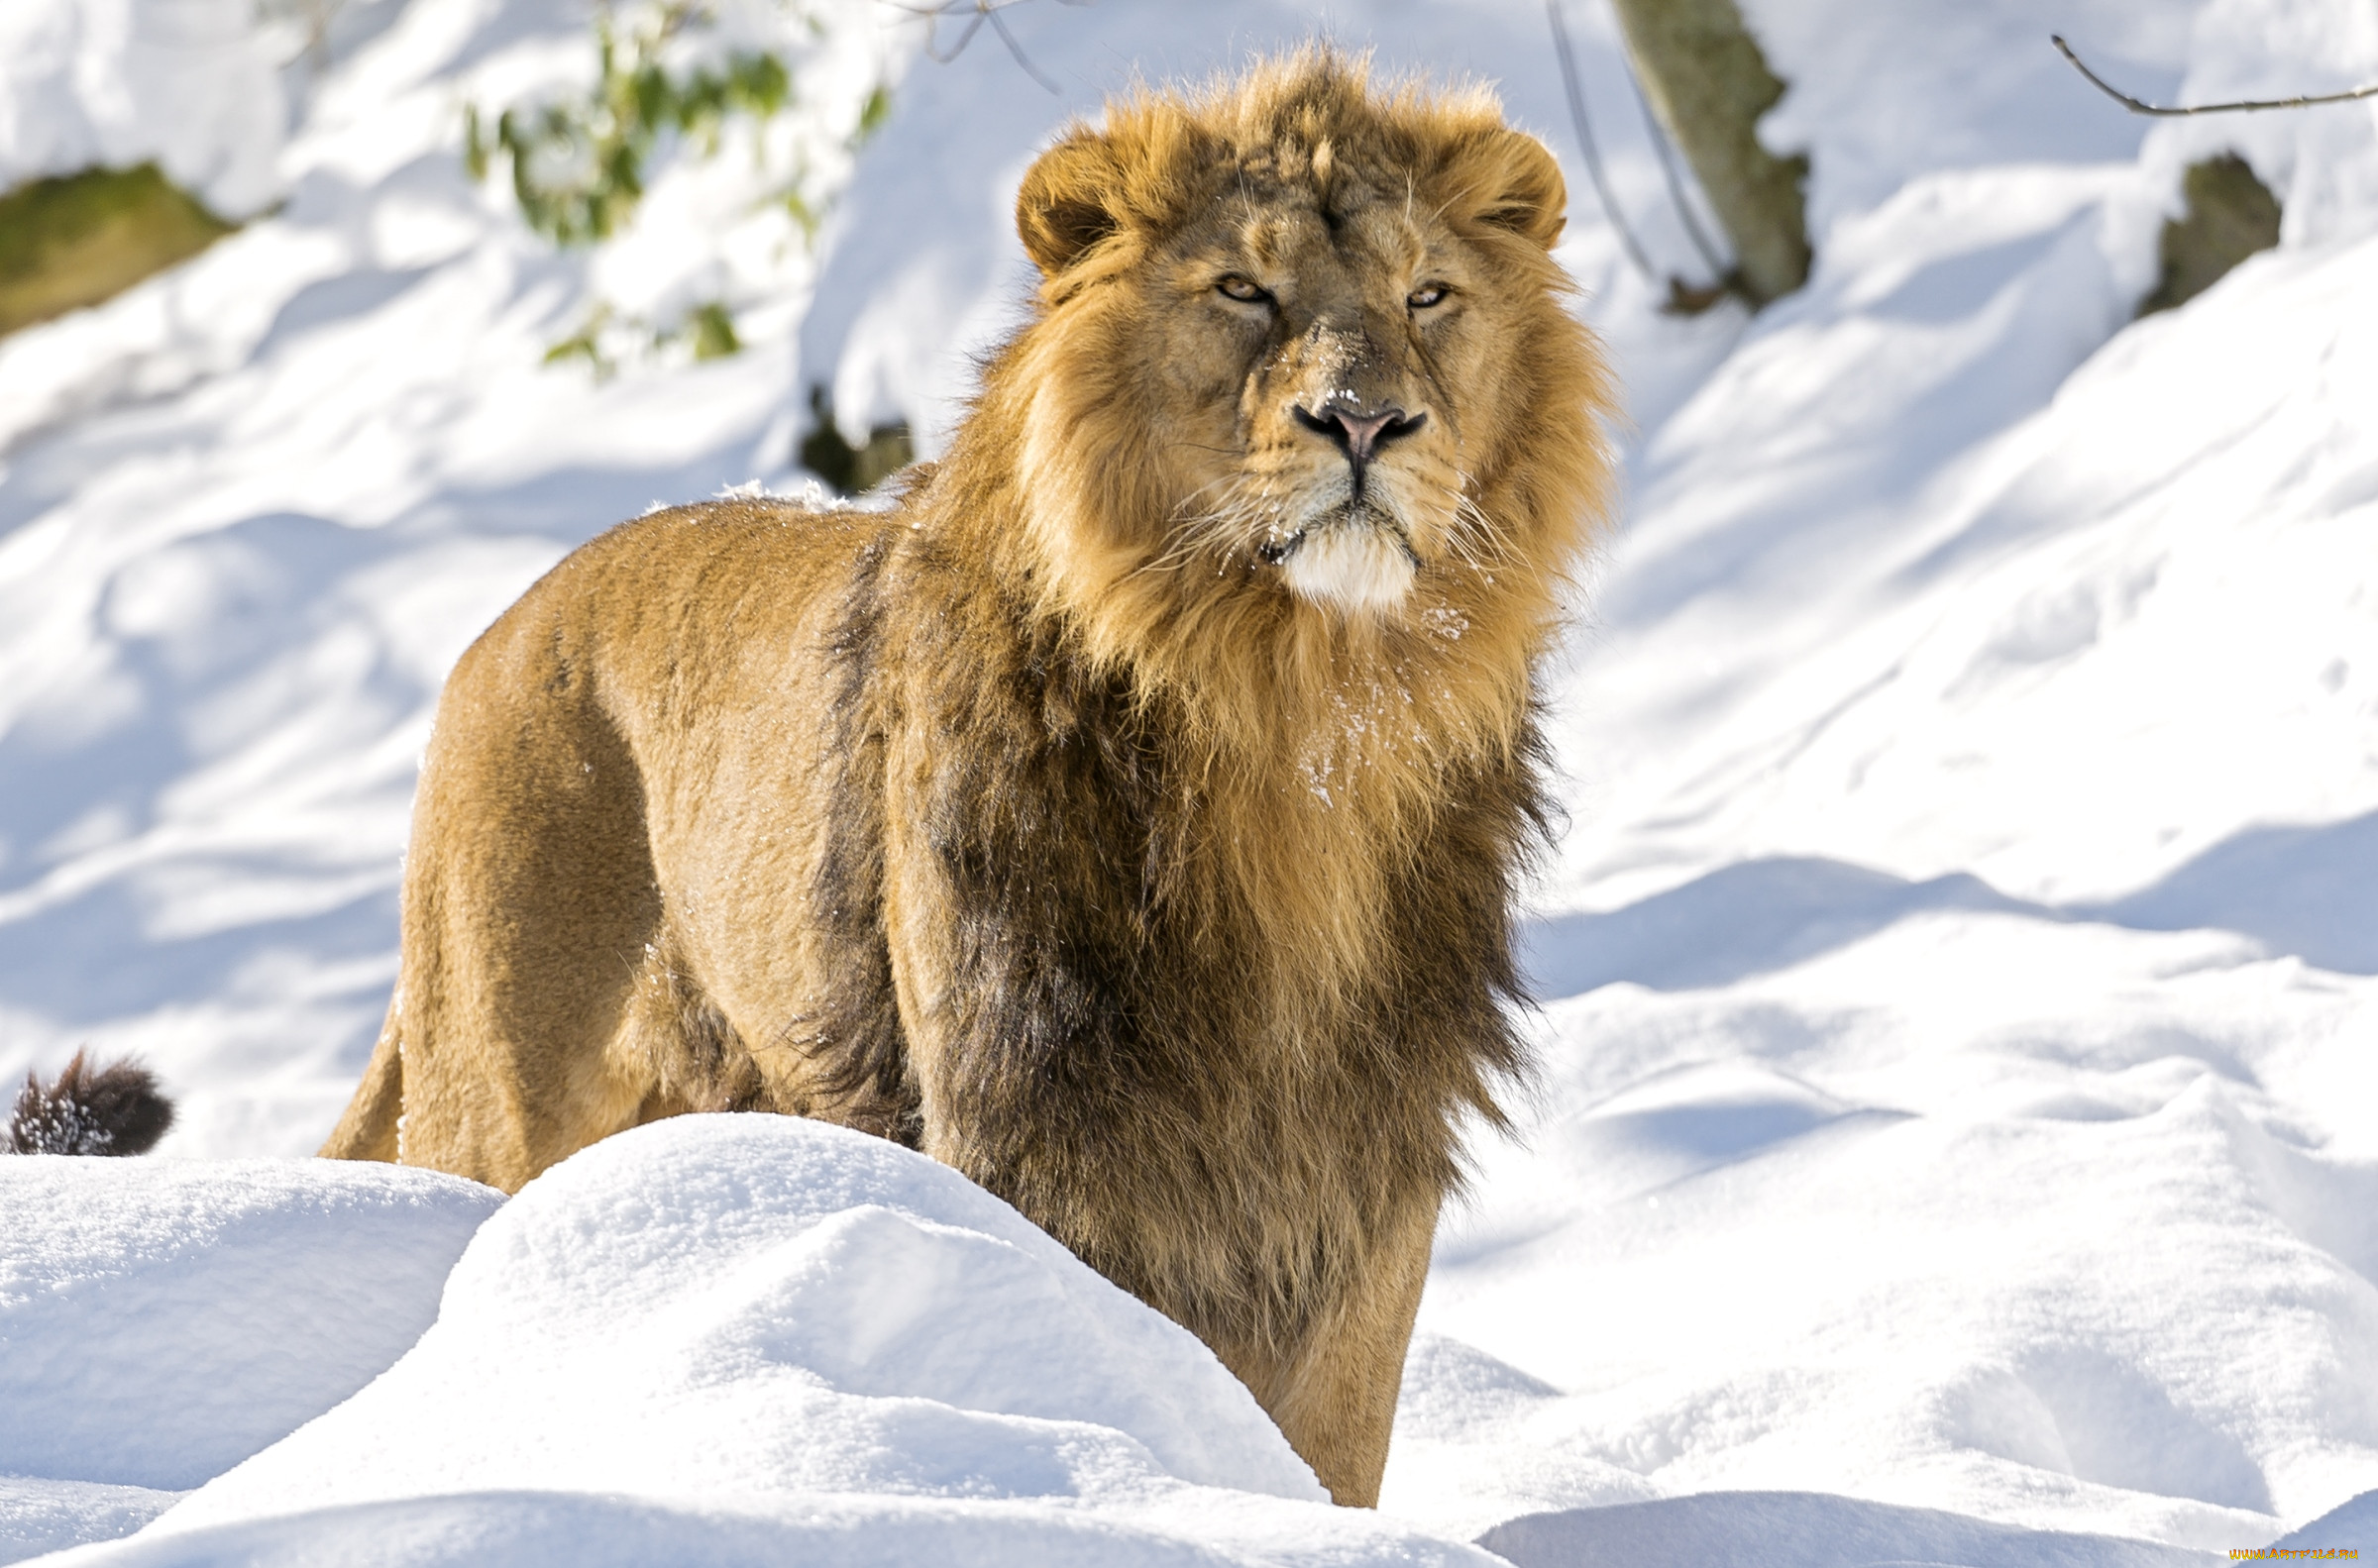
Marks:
<point>2307,891</point>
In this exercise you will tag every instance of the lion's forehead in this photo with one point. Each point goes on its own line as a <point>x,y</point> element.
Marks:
<point>1300,231</point>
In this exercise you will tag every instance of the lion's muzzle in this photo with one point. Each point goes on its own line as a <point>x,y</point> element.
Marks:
<point>1351,549</point>
<point>1356,434</point>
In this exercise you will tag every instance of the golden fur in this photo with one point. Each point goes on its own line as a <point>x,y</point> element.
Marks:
<point>1128,816</point>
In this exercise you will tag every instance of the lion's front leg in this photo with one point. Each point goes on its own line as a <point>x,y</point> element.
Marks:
<point>1336,1393</point>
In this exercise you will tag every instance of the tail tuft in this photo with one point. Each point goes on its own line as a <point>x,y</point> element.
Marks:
<point>117,1110</point>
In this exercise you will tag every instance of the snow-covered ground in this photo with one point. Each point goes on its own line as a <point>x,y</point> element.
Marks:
<point>740,1339</point>
<point>1956,1139</point>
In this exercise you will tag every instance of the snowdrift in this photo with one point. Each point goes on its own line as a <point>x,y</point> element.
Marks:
<point>161,1323</point>
<point>734,1339</point>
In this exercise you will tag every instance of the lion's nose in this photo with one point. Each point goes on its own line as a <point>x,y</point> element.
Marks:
<point>1356,434</point>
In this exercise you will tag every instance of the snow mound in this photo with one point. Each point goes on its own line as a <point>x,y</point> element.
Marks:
<point>163,1322</point>
<point>551,1529</point>
<point>40,1516</point>
<point>1800,1529</point>
<point>2353,1523</point>
<point>744,1338</point>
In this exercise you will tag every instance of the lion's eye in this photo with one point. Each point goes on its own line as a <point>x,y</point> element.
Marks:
<point>1244,290</point>
<point>1426,295</point>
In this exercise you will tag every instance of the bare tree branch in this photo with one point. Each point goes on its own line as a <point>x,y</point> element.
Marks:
<point>2138,106</point>
<point>1676,197</point>
<point>999,25</point>
<point>1594,157</point>
<point>1684,299</point>
<point>976,12</point>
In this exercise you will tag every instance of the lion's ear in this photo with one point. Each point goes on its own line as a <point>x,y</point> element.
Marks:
<point>1069,201</point>
<point>1517,184</point>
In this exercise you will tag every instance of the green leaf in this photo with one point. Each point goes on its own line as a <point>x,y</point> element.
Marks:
<point>474,145</point>
<point>714,332</point>
<point>873,114</point>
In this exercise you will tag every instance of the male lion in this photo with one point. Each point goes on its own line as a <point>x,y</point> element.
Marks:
<point>1128,817</point>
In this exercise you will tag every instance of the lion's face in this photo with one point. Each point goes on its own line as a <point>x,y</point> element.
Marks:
<point>1321,346</point>
<point>1302,369</point>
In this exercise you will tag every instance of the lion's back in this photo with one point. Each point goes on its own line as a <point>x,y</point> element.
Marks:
<point>715,640</point>
<point>680,593</point>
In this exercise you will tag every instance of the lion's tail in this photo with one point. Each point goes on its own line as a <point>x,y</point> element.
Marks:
<point>115,1109</point>
<point>367,1130</point>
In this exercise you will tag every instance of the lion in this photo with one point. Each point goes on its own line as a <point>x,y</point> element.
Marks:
<point>1127,816</point>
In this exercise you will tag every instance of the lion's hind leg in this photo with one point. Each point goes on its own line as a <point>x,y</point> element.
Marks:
<point>676,1039</point>
<point>530,913</point>
<point>366,1129</point>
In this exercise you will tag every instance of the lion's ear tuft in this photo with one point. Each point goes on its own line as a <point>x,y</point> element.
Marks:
<point>1069,201</point>
<point>1517,184</point>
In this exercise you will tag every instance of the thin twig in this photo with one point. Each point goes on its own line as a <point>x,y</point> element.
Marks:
<point>977,12</point>
<point>932,32</point>
<point>1676,188</point>
<point>1000,26</point>
<point>1594,157</point>
<point>2138,106</point>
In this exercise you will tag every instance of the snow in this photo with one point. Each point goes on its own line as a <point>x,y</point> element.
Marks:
<point>191,84</point>
<point>1953,1138</point>
<point>779,1337</point>
<point>161,1323</point>
<point>1963,1248</point>
<point>1796,1530</point>
<point>2050,657</point>
<point>40,1516</point>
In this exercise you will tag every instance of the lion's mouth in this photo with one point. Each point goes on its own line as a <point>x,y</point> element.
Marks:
<point>1353,516</point>
<point>1356,557</point>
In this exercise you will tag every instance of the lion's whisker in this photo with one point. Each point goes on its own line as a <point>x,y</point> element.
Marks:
<point>1472,523</point>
